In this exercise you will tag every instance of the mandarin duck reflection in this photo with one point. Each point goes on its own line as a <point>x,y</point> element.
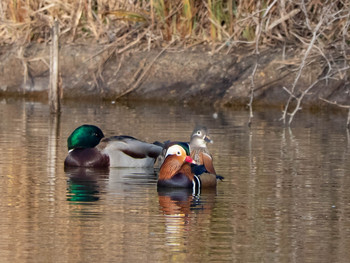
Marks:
<point>88,148</point>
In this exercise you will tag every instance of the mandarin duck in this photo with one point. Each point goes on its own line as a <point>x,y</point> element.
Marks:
<point>179,170</point>
<point>87,147</point>
<point>198,148</point>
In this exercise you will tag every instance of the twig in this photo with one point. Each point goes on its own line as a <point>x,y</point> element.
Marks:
<point>251,96</point>
<point>303,7</point>
<point>301,67</point>
<point>288,91</point>
<point>284,18</point>
<point>137,82</point>
<point>252,84</point>
<point>54,89</point>
<point>132,43</point>
<point>299,100</point>
<point>341,106</point>
<point>269,7</point>
<point>113,46</point>
<point>335,103</point>
<point>305,92</point>
<point>25,68</point>
<point>76,19</point>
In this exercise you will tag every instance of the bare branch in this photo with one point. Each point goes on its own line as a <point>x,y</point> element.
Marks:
<point>301,67</point>
<point>251,97</point>
<point>302,6</point>
<point>284,18</point>
<point>335,103</point>
<point>305,92</point>
<point>269,7</point>
<point>288,91</point>
<point>341,106</point>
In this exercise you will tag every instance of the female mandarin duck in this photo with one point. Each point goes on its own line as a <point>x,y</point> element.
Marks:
<point>88,148</point>
<point>177,171</point>
<point>198,148</point>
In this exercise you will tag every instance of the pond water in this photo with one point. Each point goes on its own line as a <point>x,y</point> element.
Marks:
<point>285,197</point>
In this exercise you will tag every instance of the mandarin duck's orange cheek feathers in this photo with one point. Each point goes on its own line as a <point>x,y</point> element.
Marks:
<point>169,167</point>
<point>173,172</point>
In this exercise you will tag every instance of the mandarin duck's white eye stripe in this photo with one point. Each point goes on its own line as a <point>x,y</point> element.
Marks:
<point>175,150</point>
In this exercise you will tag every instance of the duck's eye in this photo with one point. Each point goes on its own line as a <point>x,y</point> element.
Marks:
<point>199,132</point>
<point>178,153</point>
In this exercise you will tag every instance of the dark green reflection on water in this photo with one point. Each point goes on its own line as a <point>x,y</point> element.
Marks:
<point>83,184</point>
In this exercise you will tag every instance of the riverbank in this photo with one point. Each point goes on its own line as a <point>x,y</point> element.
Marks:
<point>224,53</point>
<point>191,76</point>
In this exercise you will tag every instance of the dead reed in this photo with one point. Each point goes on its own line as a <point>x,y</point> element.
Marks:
<point>222,23</point>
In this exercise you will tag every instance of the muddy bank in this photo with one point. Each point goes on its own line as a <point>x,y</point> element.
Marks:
<point>190,76</point>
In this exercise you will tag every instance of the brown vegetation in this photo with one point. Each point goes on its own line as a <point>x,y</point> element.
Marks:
<point>223,23</point>
<point>319,29</point>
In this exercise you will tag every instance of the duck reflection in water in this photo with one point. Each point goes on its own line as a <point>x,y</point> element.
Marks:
<point>184,213</point>
<point>84,183</point>
<point>182,201</point>
<point>88,184</point>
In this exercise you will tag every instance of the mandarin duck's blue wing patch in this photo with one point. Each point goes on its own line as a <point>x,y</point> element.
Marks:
<point>198,169</point>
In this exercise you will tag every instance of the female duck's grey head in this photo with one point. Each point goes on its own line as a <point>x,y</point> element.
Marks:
<point>200,137</point>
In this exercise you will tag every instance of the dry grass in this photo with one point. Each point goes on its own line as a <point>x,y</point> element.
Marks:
<point>224,24</point>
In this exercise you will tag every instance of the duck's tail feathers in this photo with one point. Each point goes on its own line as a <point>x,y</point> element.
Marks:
<point>219,177</point>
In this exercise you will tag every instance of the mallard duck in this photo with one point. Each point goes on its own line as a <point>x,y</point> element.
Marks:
<point>88,147</point>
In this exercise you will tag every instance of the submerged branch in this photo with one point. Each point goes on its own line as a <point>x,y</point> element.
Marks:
<point>341,106</point>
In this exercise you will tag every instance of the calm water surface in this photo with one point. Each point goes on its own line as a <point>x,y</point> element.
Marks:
<point>285,197</point>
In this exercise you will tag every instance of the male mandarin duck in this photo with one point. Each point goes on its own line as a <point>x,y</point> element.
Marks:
<point>88,148</point>
<point>177,171</point>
